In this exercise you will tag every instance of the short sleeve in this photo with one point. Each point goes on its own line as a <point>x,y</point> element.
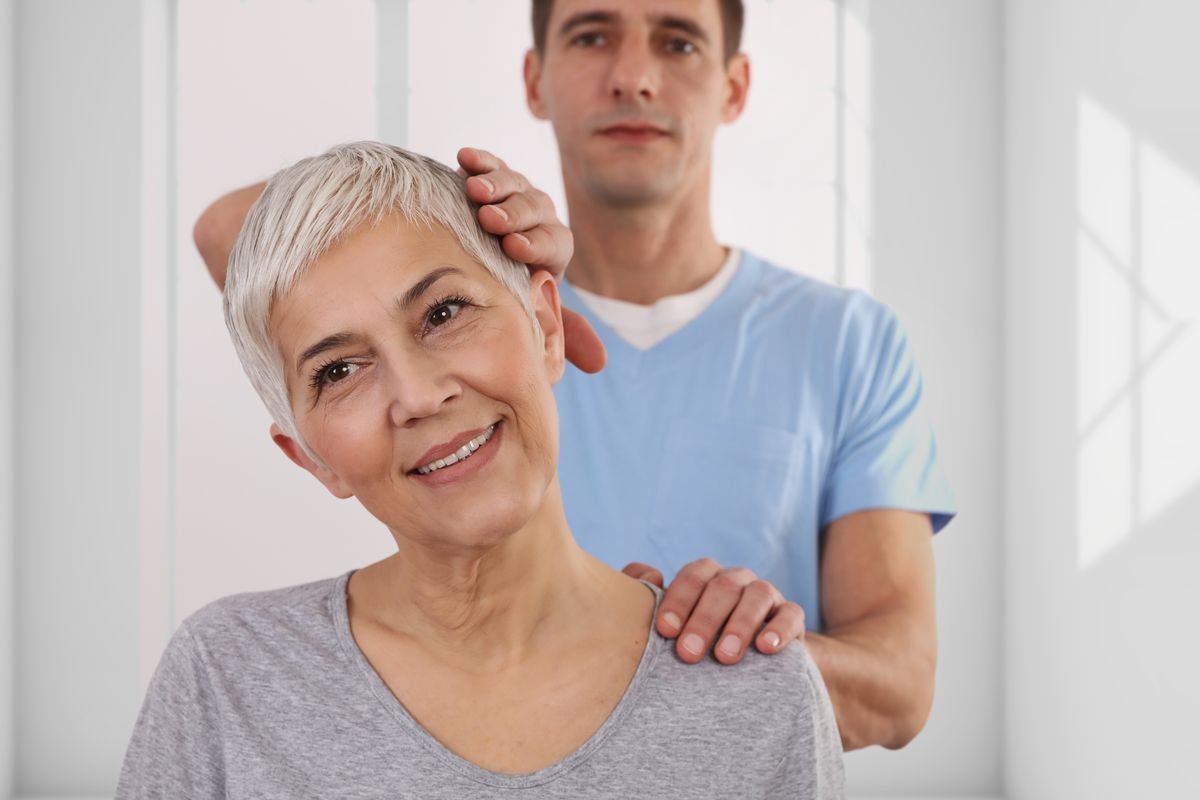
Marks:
<point>176,747</point>
<point>812,767</point>
<point>884,454</point>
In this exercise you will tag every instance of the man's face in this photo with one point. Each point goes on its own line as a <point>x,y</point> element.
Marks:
<point>635,90</point>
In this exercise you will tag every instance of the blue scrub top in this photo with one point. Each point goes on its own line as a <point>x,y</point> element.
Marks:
<point>783,406</point>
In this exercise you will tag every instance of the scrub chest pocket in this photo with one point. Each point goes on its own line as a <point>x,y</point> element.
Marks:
<point>725,492</point>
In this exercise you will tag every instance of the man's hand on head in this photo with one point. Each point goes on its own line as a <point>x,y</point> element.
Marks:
<point>706,599</point>
<point>530,232</point>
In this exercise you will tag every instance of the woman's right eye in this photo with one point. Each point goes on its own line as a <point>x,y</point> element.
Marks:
<point>338,371</point>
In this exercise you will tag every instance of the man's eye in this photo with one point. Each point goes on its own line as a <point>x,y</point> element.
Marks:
<point>589,39</point>
<point>681,46</point>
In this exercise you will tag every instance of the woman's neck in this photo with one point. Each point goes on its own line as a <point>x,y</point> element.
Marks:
<point>493,608</point>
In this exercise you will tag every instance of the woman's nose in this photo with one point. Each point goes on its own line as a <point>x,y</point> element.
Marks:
<point>419,388</point>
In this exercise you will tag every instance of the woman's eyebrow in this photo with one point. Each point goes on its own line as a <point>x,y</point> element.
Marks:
<point>328,343</point>
<point>420,287</point>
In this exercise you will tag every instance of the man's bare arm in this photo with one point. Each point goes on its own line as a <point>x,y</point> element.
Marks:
<point>218,227</point>
<point>878,654</point>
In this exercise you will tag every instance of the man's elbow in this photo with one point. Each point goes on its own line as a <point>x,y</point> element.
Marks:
<point>209,236</point>
<point>910,719</point>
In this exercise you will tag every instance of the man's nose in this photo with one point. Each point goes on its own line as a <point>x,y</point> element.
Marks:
<point>418,387</point>
<point>634,75</point>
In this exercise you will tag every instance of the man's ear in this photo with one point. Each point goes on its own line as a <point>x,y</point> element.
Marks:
<point>292,449</point>
<point>533,84</point>
<point>547,308</point>
<point>737,78</point>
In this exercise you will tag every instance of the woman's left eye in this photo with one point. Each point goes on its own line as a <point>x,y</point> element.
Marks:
<point>443,312</point>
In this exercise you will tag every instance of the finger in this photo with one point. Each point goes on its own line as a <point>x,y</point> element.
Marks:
<point>522,211</point>
<point>475,161</point>
<point>683,594</point>
<point>547,247</point>
<point>583,345</point>
<point>716,604</point>
<point>786,625</point>
<point>644,572</point>
<point>753,608</point>
<point>496,185</point>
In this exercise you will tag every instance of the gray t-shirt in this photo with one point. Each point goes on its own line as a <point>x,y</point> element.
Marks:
<point>266,695</point>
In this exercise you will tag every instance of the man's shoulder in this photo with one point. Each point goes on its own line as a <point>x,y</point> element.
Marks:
<point>813,300</point>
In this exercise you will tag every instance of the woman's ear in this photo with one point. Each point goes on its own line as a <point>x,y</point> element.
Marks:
<point>292,449</point>
<point>547,308</point>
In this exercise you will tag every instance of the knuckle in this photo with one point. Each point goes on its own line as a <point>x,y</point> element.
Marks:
<point>744,575</point>
<point>706,564</point>
<point>690,583</point>
<point>726,584</point>
<point>794,611</point>
<point>760,591</point>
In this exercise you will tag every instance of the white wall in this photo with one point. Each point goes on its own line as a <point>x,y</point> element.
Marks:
<point>7,357</point>
<point>251,100</point>
<point>934,187</point>
<point>78,116</point>
<point>1102,475</point>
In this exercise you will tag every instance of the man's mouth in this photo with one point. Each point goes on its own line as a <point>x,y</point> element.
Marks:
<point>633,132</point>
<point>454,453</point>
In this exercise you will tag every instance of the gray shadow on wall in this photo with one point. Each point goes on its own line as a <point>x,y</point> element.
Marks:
<point>922,189</point>
<point>1134,586</point>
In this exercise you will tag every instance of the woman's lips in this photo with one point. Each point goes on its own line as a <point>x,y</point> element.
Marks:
<point>460,468</point>
<point>447,448</point>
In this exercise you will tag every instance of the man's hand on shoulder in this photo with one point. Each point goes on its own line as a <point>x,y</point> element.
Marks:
<point>530,232</point>
<point>706,599</point>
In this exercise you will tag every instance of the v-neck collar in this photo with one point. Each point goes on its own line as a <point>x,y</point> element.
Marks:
<point>655,645</point>
<point>721,314</point>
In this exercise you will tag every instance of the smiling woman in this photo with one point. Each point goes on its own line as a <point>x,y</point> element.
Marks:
<point>409,364</point>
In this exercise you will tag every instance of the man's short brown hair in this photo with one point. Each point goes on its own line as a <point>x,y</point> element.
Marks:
<point>733,15</point>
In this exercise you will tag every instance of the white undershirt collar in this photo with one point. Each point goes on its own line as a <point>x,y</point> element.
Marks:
<point>644,326</point>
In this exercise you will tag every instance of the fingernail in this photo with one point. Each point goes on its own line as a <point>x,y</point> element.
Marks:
<point>772,639</point>
<point>693,644</point>
<point>503,214</point>
<point>524,241</point>
<point>730,645</point>
<point>672,620</point>
<point>491,187</point>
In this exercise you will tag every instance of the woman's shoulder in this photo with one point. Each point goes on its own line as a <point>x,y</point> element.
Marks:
<point>238,621</point>
<point>781,689</point>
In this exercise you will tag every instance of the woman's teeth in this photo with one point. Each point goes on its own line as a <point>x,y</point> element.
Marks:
<point>461,454</point>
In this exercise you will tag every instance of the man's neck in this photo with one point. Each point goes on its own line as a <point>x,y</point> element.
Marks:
<point>645,253</point>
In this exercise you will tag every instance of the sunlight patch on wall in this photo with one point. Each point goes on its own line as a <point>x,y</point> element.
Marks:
<point>1138,273</point>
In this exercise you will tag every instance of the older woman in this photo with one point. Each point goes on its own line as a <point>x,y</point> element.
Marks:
<point>408,362</point>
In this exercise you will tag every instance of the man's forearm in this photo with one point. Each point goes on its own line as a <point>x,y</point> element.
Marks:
<point>880,675</point>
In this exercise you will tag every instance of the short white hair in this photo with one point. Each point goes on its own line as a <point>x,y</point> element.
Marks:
<point>305,210</point>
